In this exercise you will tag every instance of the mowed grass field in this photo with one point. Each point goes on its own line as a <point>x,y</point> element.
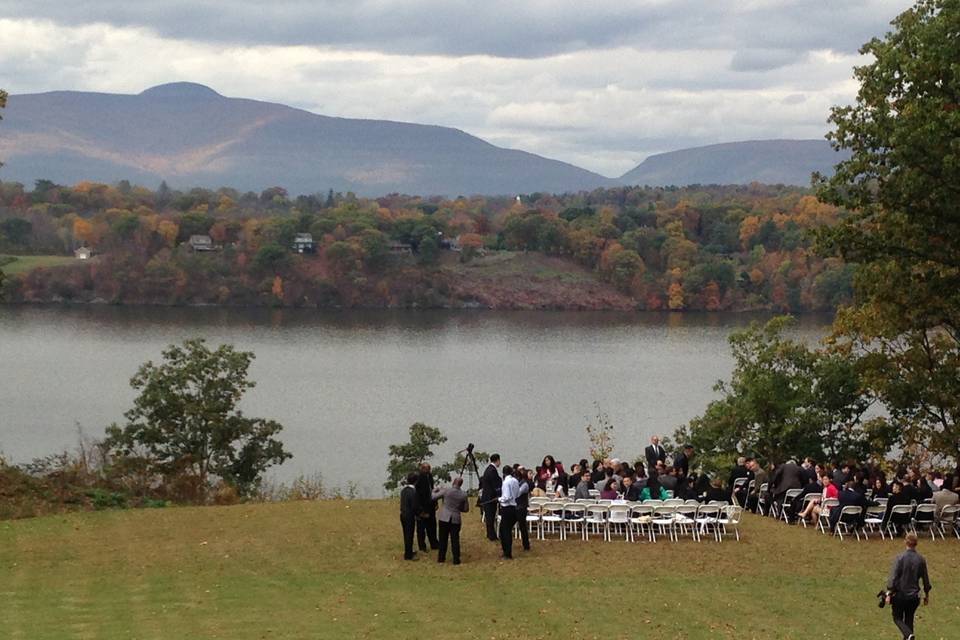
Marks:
<point>23,264</point>
<point>333,569</point>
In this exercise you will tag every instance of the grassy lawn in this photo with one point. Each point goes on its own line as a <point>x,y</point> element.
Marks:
<point>332,569</point>
<point>22,264</point>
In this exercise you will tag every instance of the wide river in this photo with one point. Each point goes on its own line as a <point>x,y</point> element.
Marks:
<point>345,385</point>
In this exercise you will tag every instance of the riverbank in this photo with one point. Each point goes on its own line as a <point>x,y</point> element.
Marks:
<point>332,569</point>
<point>501,280</point>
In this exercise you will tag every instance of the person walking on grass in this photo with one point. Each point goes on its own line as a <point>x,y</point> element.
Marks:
<point>903,587</point>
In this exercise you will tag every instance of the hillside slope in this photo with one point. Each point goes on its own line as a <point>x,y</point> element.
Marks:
<point>190,135</point>
<point>788,162</point>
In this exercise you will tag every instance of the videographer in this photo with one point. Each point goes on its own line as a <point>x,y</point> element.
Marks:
<point>903,587</point>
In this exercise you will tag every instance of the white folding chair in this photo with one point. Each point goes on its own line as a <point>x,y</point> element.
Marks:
<point>730,517</point>
<point>574,515</point>
<point>808,500</point>
<point>926,516</point>
<point>685,521</point>
<point>849,521</point>
<point>823,522</point>
<point>534,512</point>
<point>641,520</point>
<point>663,519</point>
<point>949,517</point>
<point>763,499</point>
<point>618,521</point>
<point>739,486</point>
<point>873,521</point>
<point>551,516</point>
<point>787,507</point>
<point>708,518</point>
<point>597,517</point>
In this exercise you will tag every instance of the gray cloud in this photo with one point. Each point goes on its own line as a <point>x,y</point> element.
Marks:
<point>503,28</point>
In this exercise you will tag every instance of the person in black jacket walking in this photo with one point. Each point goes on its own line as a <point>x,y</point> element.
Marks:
<point>490,484</point>
<point>903,586</point>
<point>408,515</point>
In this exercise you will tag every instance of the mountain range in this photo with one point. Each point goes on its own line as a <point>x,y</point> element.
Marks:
<point>190,135</point>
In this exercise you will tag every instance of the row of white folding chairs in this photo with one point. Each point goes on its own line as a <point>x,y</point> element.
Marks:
<point>641,519</point>
<point>669,501</point>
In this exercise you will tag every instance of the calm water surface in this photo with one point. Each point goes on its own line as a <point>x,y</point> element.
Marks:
<point>347,384</point>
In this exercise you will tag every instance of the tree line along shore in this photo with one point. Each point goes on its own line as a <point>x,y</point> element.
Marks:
<point>703,248</point>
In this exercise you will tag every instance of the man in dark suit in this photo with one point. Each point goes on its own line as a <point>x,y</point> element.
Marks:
<point>490,484</point>
<point>427,520</point>
<point>654,453</point>
<point>682,463</point>
<point>787,476</point>
<point>408,515</point>
<point>897,497</point>
<point>454,503</point>
<point>849,497</point>
<point>739,471</point>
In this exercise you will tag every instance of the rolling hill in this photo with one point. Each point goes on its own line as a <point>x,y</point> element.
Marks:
<point>190,135</point>
<point>768,161</point>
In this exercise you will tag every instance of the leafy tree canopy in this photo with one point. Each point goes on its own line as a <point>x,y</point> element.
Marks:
<point>785,400</point>
<point>901,188</point>
<point>185,418</point>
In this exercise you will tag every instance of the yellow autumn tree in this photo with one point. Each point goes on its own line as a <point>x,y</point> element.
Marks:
<point>748,228</point>
<point>675,296</point>
<point>168,230</point>
<point>277,288</point>
<point>83,231</point>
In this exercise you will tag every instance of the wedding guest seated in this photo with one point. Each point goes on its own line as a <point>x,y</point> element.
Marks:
<point>880,488</point>
<point>849,497</point>
<point>583,487</point>
<point>609,490</point>
<point>668,479</point>
<point>806,510</point>
<point>631,492</point>
<point>686,489</point>
<point>897,497</point>
<point>715,491</point>
<point>653,491</point>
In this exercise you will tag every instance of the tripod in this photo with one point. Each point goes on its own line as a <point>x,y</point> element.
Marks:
<point>468,458</point>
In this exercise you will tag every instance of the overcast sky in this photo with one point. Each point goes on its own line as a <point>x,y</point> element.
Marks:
<point>598,84</point>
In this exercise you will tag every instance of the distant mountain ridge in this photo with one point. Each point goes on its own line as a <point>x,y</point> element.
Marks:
<point>190,135</point>
<point>788,162</point>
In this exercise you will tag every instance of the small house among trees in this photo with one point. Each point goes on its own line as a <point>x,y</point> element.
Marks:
<point>201,243</point>
<point>402,248</point>
<point>303,243</point>
<point>83,253</point>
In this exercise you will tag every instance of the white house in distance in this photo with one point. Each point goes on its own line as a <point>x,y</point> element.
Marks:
<point>83,253</point>
<point>303,243</point>
<point>201,243</point>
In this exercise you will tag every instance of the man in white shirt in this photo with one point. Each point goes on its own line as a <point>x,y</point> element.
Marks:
<point>509,493</point>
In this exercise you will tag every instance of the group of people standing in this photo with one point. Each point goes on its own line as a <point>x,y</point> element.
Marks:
<point>418,515</point>
<point>506,493</point>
